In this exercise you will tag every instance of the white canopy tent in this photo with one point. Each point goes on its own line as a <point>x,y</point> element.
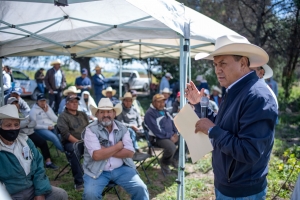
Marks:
<point>101,28</point>
<point>109,28</point>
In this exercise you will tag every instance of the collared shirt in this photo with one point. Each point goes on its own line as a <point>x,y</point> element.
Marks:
<point>92,144</point>
<point>58,78</point>
<point>230,86</point>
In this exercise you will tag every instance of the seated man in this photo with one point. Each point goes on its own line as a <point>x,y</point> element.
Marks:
<point>70,124</point>
<point>108,155</point>
<point>160,123</point>
<point>70,91</point>
<point>22,167</point>
<point>130,118</point>
<point>110,93</point>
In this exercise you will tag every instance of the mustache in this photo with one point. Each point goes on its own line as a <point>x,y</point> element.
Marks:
<point>106,117</point>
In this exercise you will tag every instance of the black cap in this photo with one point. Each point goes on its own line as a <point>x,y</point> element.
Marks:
<point>40,97</point>
<point>72,97</point>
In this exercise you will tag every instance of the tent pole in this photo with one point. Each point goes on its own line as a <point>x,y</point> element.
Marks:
<point>190,65</point>
<point>1,83</point>
<point>184,46</point>
<point>120,77</point>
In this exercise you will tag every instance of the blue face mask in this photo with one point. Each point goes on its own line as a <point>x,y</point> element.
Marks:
<point>162,112</point>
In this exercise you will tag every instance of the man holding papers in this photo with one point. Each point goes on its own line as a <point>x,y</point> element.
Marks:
<point>242,133</point>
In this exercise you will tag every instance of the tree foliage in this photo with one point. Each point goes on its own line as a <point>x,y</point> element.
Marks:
<point>271,24</point>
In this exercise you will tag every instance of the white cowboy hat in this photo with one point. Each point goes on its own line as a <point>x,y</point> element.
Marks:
<point>109,89</point>
<point>54,62</point>
<point>71,89</point>
<point>215,88</point>
<point>268,71</point>
<point>166,90</point>
<point>9,111</point>
<point>237,45</point>
<point>106,104</point>
<point>127,95</point>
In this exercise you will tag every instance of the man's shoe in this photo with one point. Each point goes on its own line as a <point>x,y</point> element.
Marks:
<point>79,187</point>
<point>52,166</point>
<point>165,168</point>
<point>174,163</point>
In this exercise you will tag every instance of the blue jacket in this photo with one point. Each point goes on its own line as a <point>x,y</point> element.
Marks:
<point>99,83</point>
<point>243,138</point>
<point>161,125</point>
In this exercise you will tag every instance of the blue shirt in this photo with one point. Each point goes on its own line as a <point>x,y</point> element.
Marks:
<point>164,83</point>
<point>83,82</point>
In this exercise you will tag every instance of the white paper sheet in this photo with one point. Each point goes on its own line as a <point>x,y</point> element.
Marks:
<point>198,143</point>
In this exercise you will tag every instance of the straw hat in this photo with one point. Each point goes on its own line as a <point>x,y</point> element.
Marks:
<point>71,89</point>
<point>54,62</point>
<point>237,45</point>
<point>268,71</point>
<point>9,111</point>
<point>98,67</point>
<point>215,88</point>
<point>106,104</point>
<point>127,95</point>
<point>166,90</point>
<point>108,89</point>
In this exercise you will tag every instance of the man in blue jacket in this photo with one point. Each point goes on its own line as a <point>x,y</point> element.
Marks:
<point>99,83</point>
<point>162,128</point>
<point>242,133</point>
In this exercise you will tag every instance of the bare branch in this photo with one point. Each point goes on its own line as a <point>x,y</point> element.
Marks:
<point>275,4</point>
<point>244,24</point>
<point>249,6</point>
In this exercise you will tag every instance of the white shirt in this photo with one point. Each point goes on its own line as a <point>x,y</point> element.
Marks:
<point>58,77</point>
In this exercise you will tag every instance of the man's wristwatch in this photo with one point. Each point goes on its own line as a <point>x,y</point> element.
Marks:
<point>209,130</point>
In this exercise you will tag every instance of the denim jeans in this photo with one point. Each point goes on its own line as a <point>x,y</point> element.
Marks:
<point>124,176</point>
<point>50,136</point>
<point>259,196</point>
<point>133,138</point>
<point>41,88</point>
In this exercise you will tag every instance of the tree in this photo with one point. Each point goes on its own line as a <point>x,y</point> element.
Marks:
<point>292,48</point>
<point>84,62</point>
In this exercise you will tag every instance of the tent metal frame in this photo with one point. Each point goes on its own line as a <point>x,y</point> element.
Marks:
<point>156,50</point>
